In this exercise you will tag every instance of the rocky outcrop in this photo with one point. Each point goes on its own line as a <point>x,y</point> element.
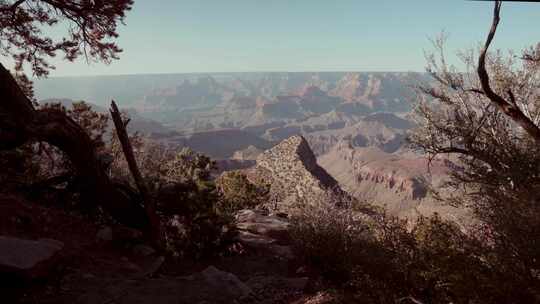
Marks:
<point>292,172</point>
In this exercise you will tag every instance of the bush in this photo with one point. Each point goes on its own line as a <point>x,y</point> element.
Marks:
<point>383,259</point>
<point>195,223</point>
<point>496,162</point>
<point>329,238</point>
<point>188,202</point>
<point>237,192</point>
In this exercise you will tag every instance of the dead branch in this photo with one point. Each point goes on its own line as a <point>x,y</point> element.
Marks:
<point>120,125</point>
<point>508,108</point>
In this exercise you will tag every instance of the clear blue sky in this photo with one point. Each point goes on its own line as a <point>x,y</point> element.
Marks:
<point>177,36</point>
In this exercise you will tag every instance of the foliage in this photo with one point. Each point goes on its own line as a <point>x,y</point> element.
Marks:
<point>94,123</point>
<point>17,167</point>
<point>179,180</point>
<point>497,163</point>
<point>188,203</point>
<point>200,236</point>
<point>329,238</point>
<point>191,207</point>
<point>383,259</point>
<point>26,85</point>
<point>40,161</point>
<point>161,164</point>
<point>52,162</point>
<point>237,192</point>
<point>92,25</point>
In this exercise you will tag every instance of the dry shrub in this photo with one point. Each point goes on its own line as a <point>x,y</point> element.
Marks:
<point>496,162</point>
<point>383,259</point>
<point>329,238</point>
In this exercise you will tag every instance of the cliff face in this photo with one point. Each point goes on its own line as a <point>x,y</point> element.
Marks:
<point>399,182</point>
<point>292,172</point>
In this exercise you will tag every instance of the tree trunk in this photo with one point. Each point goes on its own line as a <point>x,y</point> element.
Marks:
<point>21,122</point>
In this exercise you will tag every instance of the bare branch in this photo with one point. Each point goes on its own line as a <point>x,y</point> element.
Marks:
<point>137,176</point>
<point>511,110</point>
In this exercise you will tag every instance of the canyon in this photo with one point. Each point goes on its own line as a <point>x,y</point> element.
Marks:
<point>350,128</point>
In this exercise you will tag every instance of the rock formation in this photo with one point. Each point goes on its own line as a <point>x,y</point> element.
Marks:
<point>400,182</point>
<point>291,170</point>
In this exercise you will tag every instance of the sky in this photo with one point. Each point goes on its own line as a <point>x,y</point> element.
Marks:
<point>183,36</point>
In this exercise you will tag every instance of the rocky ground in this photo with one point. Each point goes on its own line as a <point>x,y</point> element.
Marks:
<point>50,256</point>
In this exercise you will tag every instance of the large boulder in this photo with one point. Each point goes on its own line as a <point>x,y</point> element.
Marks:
<point>28,259</point>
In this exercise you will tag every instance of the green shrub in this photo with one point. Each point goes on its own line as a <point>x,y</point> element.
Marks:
<point>237,192</point>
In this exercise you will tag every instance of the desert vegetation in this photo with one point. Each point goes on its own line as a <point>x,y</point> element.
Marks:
<point>385,259</point>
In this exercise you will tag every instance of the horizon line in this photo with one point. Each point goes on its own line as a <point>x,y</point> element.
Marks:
<point>216,73</point>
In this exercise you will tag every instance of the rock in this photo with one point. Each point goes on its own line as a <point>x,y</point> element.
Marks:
<point>126,235</point>
<point>119,234</point>
<point>26,258</point>
<point>152,268</point>
<point>209,286</point>
<point>263,232</point>
<point>257,222</point>
<point>322,297</point>
<point>129,266</point>
<point>143,250</point>
<point>254,240</point>
<point>105,234</point>
<point>397,182</point>
<point>273,287</point>
<point>264,243</point>
<point>225,282</point>
<point>284,252</point>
